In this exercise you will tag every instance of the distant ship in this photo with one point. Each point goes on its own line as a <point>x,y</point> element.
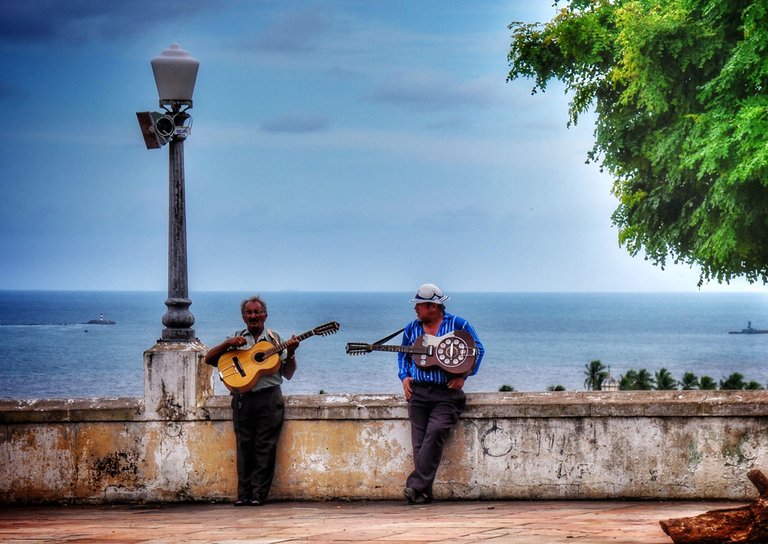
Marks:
<point>101,321</point>
<point>749,330</point>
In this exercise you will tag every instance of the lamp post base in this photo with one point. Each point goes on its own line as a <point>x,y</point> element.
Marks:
<point>177,335</point>
<point>178,321</point>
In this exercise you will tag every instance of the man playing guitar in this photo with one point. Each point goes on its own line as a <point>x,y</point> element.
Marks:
<point>435,397</point>
<point>258,413</point>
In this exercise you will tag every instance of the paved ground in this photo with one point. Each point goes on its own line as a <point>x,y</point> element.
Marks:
<point>496,522</point>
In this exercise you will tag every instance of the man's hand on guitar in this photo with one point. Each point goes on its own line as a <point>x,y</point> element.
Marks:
<point>456,383</point>
<point>236,341</point>
<point>291,346</point>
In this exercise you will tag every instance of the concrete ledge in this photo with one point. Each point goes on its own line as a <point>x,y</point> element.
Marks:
<point>386,406</point>
<point>558,445</point>
<point>71,410</point>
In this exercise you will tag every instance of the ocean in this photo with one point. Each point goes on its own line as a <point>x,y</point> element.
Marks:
<point>532,340</point>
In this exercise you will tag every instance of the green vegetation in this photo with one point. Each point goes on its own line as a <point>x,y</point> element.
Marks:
<point>596,373</point>
<point>662,380</point>
<point>643,380</point>
<point>736,381</point>
<point>678,89</point>
<point>636,381</point>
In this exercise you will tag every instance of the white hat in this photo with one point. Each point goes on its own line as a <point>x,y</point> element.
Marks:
<point>429,292</point>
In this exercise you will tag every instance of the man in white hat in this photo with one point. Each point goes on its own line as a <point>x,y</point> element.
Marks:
<point>435,396</point>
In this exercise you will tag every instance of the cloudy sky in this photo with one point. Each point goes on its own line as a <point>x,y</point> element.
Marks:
<point>336,145</point>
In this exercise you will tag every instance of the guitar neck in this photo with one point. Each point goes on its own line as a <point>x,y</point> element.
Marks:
<point>281,346</point>
<point>401,349</point>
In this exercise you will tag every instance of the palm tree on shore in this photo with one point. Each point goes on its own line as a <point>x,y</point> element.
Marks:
<point>627,380</point>
<point>665,381</point>
<point>644,381</point>
<point>596,373</point>
<point>733,382</point>
<point>635,380</point>
<point>689,381</point>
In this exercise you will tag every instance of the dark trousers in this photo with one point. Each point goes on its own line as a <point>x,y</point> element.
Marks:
<point>433,411</point>
<point>258,419</point>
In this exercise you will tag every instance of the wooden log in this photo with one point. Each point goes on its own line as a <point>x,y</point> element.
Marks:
<point>742,525</point>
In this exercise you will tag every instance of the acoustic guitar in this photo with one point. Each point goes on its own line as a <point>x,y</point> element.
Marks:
<point>241,369</point>
<point>454,352</point>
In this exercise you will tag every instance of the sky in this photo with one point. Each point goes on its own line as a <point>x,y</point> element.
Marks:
<point>336,145</point>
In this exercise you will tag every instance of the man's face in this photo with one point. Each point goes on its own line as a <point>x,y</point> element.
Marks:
<point>254,316</point>
<point>427,311</point>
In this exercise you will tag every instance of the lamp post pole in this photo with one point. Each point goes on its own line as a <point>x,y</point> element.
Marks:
<point>177,381</point>
<point>175,74</point>
<point>178,320</point>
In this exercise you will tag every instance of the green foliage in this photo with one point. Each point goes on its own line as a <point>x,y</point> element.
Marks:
<point>706,383</point>
<point>556,388</point>
<point>628,380</point>
<point>736,382</point>
<point>679,89</point>
<point>596,373</point>
<point>506,387</point>
<point>664,380</point>
<point>637,381</point>
<point>689,381</point>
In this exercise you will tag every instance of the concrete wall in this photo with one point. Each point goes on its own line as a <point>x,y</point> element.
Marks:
<point>653,445</point>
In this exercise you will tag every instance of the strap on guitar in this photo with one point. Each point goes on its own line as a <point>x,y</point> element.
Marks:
<point>388,338</point>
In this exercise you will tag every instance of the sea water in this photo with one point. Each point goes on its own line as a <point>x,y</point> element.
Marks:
<point>533,340</point>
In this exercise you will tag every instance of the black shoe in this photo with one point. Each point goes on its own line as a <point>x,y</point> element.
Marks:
<point>242,502</point>
<point>256,502</point>
<point>414,496</point>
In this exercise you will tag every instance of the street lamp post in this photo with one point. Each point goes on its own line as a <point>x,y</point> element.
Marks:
<point>177,381</point>
<point>175,73</point>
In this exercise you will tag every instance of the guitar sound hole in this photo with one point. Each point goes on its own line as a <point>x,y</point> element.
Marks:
<point>259,357</point>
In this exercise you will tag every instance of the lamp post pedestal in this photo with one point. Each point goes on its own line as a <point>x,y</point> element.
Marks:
<point>177,382</point>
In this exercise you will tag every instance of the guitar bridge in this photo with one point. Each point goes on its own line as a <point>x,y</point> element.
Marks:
<point>238,367</point>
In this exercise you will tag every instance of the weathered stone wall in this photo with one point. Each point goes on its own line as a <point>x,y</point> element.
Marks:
<point>653,445</point>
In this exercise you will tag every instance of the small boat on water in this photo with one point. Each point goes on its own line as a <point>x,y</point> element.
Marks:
<point>749,330</point>
<point>101,321</point>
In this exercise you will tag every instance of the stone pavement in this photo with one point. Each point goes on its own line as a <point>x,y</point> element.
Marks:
<point>384,522</point>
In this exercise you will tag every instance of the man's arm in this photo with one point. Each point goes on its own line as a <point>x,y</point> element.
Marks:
<point>403,365</point>
<point>213,355</point>
<point>289,365</point>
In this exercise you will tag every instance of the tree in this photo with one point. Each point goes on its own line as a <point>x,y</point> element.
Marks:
<point>644,380</point>
<point>706,383</point>
<point>679,92</point>
<point>628,381</point>
<point>689,381</point>
<point>596,373</point>
<point>636,380</point>
<point>734,381</point>
<point>664,380</point>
